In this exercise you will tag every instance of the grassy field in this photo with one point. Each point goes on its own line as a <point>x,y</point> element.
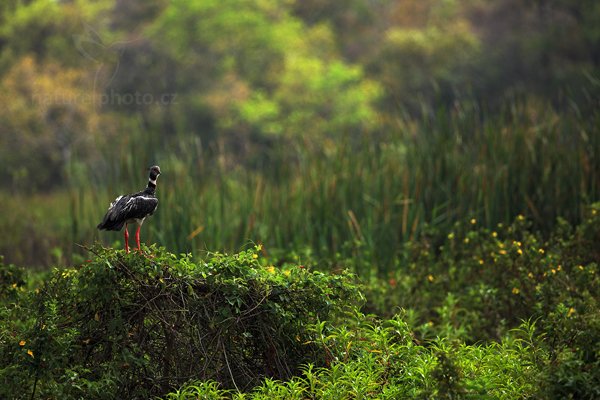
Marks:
<point>350,196</point>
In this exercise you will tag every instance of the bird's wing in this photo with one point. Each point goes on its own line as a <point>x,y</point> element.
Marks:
<point>124,208</point>
<point>139,206</point>
<point>113,219</point>
<point>115,201</point>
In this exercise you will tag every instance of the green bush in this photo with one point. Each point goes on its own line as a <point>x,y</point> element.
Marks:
<point>477,284</point>
<point>373,359</point>
<point>12,280</point>
<point>134,326</point>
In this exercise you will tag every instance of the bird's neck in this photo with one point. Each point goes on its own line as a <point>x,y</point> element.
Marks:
<point>151,186</point>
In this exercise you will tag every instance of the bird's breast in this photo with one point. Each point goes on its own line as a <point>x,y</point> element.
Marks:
<point>137,221</point>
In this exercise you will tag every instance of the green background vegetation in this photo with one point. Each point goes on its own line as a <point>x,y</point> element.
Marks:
<point>445,153</point>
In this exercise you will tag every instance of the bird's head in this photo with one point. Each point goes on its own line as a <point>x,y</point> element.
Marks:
<point>154,172</point>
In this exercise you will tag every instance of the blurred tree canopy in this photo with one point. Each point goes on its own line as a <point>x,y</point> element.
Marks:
<point>242,72</point>
<point>259,70</point>
<point>47,120</point>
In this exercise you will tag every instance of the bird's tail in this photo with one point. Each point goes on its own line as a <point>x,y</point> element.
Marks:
<point>110,225</point>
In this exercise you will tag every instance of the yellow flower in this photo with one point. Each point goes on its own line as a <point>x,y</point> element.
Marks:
<point>541,251</point>
<point>14,285</point>
<point>22,343</point>
<point>451,236</point>
<point>571,312</point>
<point>581,268</point>
<point>558,268</point>
<point>466,240</point>
<point>430,278</point>
<point>473,221</point>
<point>515,290</point>
<point>503,252</point>
<point>271,269</point>
<point>520,217</point>
<point>480,261</point>
<point>494,234</point>
<point>255,256</point>
<point>530,275</point>
<point>520,252</point>
<point>553,271</point>
<point>30,353</point>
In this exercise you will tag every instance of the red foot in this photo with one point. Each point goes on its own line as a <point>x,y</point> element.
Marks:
<point>126,240</point>
<point>137,238</point>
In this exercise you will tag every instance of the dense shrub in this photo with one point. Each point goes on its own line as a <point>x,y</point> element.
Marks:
<point>477,284</point>
<point>133,326</point>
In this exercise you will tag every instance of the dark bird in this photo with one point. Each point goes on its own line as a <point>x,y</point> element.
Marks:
<point>132,208</point>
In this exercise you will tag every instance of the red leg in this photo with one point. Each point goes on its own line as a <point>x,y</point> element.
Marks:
<point>126,240</point>
<point>137,238</point>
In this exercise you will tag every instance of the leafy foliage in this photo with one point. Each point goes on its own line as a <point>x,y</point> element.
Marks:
<point>479,284</point>
<point>488,280</point>
<point>380,360</point>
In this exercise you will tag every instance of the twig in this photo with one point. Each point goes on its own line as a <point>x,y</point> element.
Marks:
<point>37,377</point>
<point>229,368</point>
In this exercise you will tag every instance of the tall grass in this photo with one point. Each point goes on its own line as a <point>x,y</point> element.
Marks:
<point>353,197</point>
